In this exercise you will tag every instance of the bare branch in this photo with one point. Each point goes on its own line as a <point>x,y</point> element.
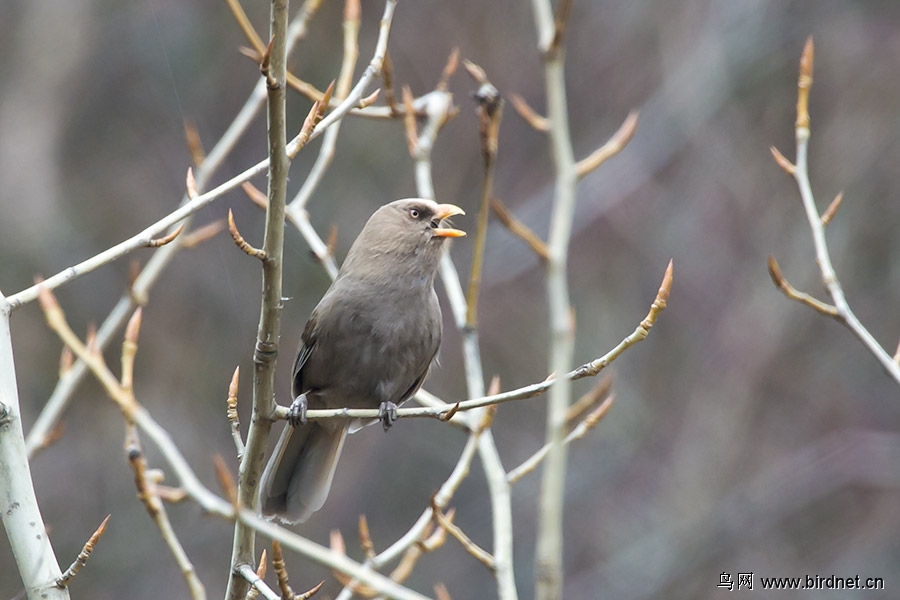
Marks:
<point>832,209</point>
<point>250,576</point>
<point>194,144</point>
<point>83,556</point>
<point>842,311</point>
<point>548,577</point>
<point>241,242</point>
<point>639,334</point>
<point>365,538</point>
<point>490,113</point>
<point>783,162</point>
<point>268,331</point>
<point>157,242</point>
<point>388,76</point>
<point>519,229</point>
<point>409,122</point>
<point>148,495</point>
<point>226,481</point>
<point>595,395</point>
<point>446,523</point>
<point>781,283</point>
<point>804,84</point>
<point>613,146</point>
<point>232,413</point>
<point>538,122</point>
<point>449,70</point>
<point>247,27</point>
<point>578,432</point>
<point>561,19</point>
<point>202,234</point>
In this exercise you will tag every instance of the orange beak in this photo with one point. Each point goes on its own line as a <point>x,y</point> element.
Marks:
<point>444,211</point>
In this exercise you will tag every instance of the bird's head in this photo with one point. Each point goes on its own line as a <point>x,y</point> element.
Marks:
<point>404,236</point>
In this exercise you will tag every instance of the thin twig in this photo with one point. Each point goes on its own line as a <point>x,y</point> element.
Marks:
<point>431,539</point>
<point>801,174</point>
<point>490,113</point>
<point>414,536</point>
<point>342,88</point>
<point>792,293</point>
<point>538,122</point>
<point>639,334</point>
<point>519,229</point>
<point>194,144</point>
<point>226,481</point>
<point>832,209</point>
<point>250,576</point>
<point>613,146</point>
<point>365,538</point>
<point>482,555</point>
<point>246,26</point>
<point>131,410</point>
<point>578,432</point>
<point>241,243</point>
<point>261,573</point>
<point>440,592</point>
<point>281,572</point>
<point>158,242</point>
<point>587,402</point>
<point>232,413</point>
<point>202,234</point>
<point>83,556</point>
<point>148,495</point>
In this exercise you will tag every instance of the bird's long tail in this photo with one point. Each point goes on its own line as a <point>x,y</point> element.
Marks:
<point>298,476</point>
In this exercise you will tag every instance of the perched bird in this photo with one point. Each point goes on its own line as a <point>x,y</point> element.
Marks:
<point>368,344</point>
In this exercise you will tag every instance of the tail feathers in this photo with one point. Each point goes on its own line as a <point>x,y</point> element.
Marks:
<point>298,476</point>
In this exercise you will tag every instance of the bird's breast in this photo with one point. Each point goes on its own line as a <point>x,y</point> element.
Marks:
<point>373,343</point>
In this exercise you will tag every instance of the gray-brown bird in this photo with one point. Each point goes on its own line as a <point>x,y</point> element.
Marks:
<point>368,344</point>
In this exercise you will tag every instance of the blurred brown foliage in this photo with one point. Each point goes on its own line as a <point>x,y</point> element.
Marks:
<point>749,433</point>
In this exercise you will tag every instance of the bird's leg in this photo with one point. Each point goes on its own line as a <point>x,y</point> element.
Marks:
<point>387,414</point>
<point>297,411</point>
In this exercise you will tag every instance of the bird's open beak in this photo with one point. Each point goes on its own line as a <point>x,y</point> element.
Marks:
<point>445,211</point>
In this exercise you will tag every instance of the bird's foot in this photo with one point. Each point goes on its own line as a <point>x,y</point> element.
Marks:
<point>297,411</point>
<point>387,414</point>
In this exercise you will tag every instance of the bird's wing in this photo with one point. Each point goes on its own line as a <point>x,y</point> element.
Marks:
<point>416,385</point>
<point>307,343</point>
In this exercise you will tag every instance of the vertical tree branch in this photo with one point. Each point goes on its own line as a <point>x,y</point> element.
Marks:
<point>266,350</point>
<point>823,257</point>
<point>495,474</point>
<point>19,509</point>
<point>550,540</point>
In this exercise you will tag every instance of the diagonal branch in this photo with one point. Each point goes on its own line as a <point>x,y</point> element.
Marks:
<point>823,258</point>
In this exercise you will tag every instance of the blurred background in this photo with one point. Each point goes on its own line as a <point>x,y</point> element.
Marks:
<point>749,434</point>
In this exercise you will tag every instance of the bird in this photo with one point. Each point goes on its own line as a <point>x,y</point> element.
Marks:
<point>369,343</point>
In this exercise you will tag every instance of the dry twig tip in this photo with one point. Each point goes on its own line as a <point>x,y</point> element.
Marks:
<point>832,209</point>
<point>241,242</point>
<point>157,242</point>
<point>783,162</point>
<point>804,83</point>
<point>83,556</point>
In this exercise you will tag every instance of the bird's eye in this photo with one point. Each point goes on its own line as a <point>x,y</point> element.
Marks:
<point>414,213</point>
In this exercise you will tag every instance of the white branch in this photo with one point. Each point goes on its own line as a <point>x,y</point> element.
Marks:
<point>19,509</point>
